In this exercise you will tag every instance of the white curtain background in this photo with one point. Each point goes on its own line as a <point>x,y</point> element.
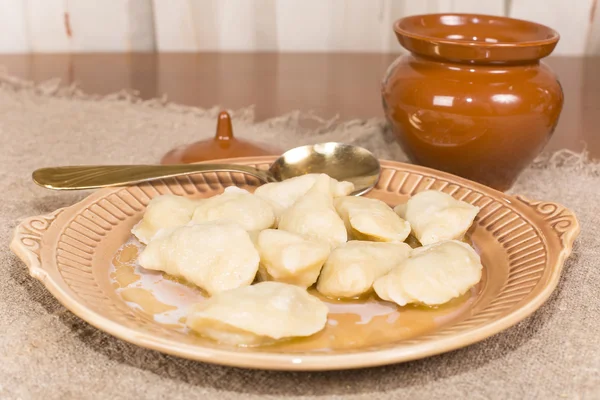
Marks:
<point>261,25</point>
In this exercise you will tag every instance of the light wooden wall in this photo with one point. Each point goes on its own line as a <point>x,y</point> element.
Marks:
<point>260,25</point>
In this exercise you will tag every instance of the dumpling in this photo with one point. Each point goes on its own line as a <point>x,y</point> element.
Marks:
<point>215,256</point>
<point>352,267</point>
<point>371,219</point>
<point>432,275</point>
<point>166,211</point>
<point>436,216</point>
<point>281,195</point>
<point>289,258</point>
<point>258,314</point>
<point>314,217</point>
<point>236,205</point>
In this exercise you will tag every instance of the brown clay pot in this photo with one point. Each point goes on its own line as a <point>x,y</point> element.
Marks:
<point>472,98</point>
<point>223,145</point>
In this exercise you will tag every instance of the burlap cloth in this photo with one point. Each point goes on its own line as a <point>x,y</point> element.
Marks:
<point>47,352</point>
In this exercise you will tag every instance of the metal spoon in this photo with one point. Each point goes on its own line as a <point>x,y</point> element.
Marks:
<point>340,161</point>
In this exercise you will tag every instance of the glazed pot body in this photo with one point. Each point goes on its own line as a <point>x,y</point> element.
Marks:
<point>483,114</point>
<point>482,122</point>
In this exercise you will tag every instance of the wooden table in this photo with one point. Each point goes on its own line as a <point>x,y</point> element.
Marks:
<point>328,84</point>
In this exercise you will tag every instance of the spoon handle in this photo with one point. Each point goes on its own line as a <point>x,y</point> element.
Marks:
<point>97,176</point>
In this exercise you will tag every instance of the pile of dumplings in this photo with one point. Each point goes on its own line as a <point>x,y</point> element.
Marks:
<point>255,254</point>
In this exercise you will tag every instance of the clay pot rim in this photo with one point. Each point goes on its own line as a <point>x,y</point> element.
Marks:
<point>554,35</point>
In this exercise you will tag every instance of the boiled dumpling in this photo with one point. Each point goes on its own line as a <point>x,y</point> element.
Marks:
<point>236,205</point>
<point>281,195</point>
<point>258,314</point>
<point>289,258</point>
<point>371,219</point>
<point>166,211</point>
<point>352,267</point>
<point>216,256</point>
<point>436,216</point>
<point>432,275</point>
<point>314,217</point>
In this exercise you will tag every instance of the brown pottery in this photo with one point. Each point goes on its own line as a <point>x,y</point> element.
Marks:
<point>472,98</point>
<point>85,255</point>
<point>223,145</point>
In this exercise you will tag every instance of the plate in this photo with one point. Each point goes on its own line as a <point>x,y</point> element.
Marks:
<point>85,256</point>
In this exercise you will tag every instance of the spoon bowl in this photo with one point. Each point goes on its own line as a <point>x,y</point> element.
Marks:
<point>338,160</point>
<point>341,161</point>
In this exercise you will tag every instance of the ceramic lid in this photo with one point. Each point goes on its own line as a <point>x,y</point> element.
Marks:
<point>223,145</point>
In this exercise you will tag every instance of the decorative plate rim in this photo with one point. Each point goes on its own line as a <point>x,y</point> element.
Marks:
<point>28,241</point>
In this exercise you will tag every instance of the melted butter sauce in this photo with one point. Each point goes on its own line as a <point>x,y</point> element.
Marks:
<point>145,300</point>
<point>164,298</point>
<point>356,323</point>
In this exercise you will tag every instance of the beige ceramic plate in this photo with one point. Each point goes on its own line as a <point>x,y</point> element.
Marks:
<point>85,256</point>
